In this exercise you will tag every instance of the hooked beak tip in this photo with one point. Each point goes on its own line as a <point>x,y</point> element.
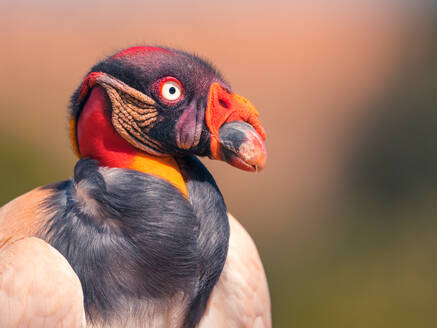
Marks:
<point>253,151</point>
<point>242,147</point>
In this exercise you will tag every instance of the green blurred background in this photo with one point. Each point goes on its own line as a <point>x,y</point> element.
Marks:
<point>344,215</point>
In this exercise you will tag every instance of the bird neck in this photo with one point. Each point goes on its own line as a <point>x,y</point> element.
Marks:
<point>98,139</point>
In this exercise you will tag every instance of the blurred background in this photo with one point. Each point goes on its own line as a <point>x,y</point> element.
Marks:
<point>344,215</point>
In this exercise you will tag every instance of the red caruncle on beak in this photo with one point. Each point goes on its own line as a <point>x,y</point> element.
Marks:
<point>245,148</point>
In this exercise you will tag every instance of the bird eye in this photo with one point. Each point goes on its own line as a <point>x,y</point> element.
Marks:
<point>170,89</point>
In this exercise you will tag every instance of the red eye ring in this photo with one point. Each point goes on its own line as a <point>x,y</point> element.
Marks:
<point>170,90</point>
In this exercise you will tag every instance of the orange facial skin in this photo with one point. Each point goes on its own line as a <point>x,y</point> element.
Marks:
<point>225,107</point>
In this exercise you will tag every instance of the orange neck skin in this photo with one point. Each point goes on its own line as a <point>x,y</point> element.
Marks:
<point>98,139</point>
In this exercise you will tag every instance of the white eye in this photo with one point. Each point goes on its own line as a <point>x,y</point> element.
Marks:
<point>171,90</point>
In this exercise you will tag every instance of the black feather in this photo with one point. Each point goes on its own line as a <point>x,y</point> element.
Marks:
<point>209,207</point>
<point>132,237</point>
<point>140,243</point>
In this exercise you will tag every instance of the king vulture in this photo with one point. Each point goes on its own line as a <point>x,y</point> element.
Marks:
<point>140,235</point>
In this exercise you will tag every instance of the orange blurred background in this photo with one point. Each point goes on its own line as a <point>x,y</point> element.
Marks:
<point>344,213</point>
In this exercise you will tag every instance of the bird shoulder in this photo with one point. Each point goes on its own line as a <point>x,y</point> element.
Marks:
<point>24,216</point>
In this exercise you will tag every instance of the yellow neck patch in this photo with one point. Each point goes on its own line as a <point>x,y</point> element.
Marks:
<point>164,167</point>
<point>73,136</point>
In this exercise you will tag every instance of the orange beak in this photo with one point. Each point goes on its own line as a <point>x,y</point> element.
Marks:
<point>237,136</point>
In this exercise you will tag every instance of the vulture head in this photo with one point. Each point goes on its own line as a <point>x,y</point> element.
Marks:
<point>163,102</point>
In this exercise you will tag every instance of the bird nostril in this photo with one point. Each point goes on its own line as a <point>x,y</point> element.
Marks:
<point>224,103</point>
